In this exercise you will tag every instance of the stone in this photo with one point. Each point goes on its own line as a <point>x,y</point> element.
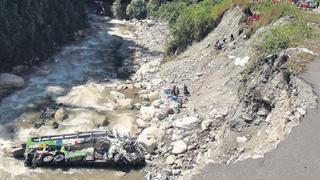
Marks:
<point>137,106</point>
<point>11,81</point>
<point>262,112</point>
<point>141,123</point>
<point>120,173</point>
<point>117,95</point>
<point>105,122</point>
<point>162,115</point>
<point>301,111</point>
<point>157,103</point>
<point>199,157</point>
<point>55,125</point>
<point>170,159</point>
<point>179,147</point>
<point>176,137</point>
<point>153,96</point>
<point>206,124</point>
<point>199,74</point>
<point>125,104</point>
<point>175,171</point>
<point>60,115</point>
<point>147,113</point>
<point>150,138</point>
<point>186,123</point>
<point>247,117</point>
<point>242,139</point>
<point>130,86</point>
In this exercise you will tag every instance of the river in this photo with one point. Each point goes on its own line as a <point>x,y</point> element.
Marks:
<point>79,76</point>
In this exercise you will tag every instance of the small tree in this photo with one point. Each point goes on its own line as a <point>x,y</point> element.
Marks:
<point>119,8</point>
<point>137,9</point>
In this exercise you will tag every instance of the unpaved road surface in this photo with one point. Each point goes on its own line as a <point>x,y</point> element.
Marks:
<point>297,157</point>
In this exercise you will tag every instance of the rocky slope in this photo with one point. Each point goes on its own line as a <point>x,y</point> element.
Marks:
<point>232,113</point>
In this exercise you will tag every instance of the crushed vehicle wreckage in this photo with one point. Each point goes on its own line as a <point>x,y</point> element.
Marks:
<point>81,149</point>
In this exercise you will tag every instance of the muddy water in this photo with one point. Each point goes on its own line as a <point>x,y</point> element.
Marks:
<point>79,76</point>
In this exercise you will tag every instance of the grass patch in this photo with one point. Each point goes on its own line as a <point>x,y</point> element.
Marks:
<point>191,22</point>
<point>287,35</point>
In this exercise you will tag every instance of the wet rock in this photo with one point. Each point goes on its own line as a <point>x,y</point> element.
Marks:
<point>105,122</point>
<point>55,125</point>
<point>170,159</point>
<point>60,115</point>
<point>117,95</point>
<point>150,138</point>
<point>179,147</point>
<point>11,81</point>
<point>186,123</point>
<point>125,104</point>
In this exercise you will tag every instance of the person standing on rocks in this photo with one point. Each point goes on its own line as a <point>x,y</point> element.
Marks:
<point>185,90</point>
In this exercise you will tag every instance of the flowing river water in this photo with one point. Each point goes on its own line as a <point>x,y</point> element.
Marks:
<point>79,76</point>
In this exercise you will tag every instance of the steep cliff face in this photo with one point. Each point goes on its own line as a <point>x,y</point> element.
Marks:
<point>32,29</point>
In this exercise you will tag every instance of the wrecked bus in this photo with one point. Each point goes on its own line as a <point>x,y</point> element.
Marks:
<point>84,148</point>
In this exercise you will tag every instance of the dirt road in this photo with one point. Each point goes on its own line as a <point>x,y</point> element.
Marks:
<point>297,157</point>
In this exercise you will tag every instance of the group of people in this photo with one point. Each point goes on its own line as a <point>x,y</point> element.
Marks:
<point>221,43</point>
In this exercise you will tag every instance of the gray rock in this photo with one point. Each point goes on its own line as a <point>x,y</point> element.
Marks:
<point>11,81</point>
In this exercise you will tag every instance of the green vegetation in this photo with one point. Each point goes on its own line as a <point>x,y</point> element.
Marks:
<point>190,21</point>
<point>284,36</point>
<point>119,8</point>
<point>296,32</point>
<point>137,9</point>
<point>34,28</point>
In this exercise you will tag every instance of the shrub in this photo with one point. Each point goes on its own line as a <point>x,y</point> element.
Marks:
<point>284,36</point>
<point>137,9</point>
<point>119,8</point>
<point>190,20</point>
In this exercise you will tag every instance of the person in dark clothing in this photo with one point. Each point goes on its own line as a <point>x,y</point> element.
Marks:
<point>185,90</point>
<point>231,38</point>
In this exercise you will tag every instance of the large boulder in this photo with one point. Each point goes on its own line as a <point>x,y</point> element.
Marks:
<point>186,123</point>
<point>11,81</point>
<point>150,138</point>
<point>125,104</point>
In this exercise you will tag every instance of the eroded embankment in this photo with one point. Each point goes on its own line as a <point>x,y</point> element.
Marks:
<point>232,114</point>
